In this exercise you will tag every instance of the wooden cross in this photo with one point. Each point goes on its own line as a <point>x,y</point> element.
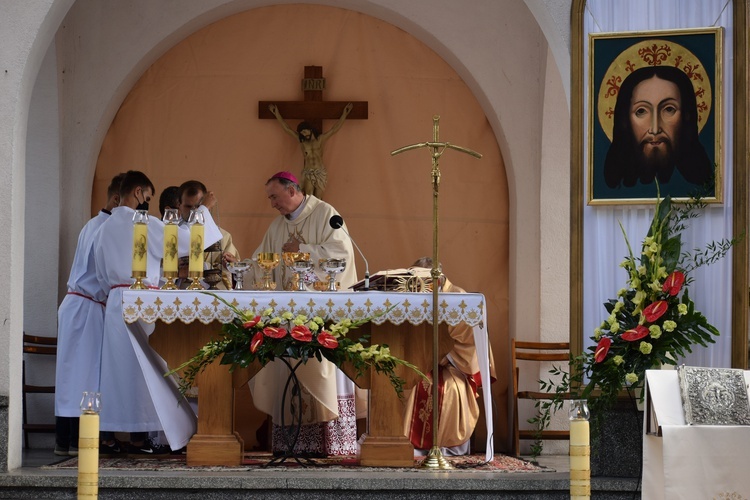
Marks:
<point>313,109</point>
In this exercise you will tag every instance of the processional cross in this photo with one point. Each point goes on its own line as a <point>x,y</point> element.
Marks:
<point>435,459</point>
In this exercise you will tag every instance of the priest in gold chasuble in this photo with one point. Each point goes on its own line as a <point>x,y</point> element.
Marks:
<point>329,415</point>
<point>458,380</point>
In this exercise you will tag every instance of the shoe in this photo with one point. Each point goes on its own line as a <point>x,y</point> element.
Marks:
<point>148,448</point>
<point>61,451</point>
<point>73,451</point>
<point>110,450</point>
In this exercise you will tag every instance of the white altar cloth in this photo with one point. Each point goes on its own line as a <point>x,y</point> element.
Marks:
<point>689,461</point>
<point>453,308</point>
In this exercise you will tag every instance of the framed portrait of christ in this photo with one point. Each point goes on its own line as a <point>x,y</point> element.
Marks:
<point>654,116</point>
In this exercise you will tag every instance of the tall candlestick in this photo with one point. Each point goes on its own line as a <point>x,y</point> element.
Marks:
<point>195,261</point>
<point>169,261</point>
<point>580,451</point>
<point>88,446</point>
<point>140,248</point>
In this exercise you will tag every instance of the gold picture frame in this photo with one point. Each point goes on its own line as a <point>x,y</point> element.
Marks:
<point>670,132</point>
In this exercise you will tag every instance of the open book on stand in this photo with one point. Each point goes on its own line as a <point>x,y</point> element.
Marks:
<point>413,279</point>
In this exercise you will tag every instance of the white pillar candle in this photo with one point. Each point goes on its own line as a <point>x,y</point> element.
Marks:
<point>88,456</point>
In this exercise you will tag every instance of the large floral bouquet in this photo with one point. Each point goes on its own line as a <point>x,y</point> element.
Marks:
<point>262,336</point>
<point>652,321</point>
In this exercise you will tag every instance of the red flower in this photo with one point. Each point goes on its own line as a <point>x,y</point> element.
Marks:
<point>636,333</point>
<point>655,310</point>
<point>274,332</point>
<point>256,342</point>
<point>327,340</point>
<point>302,333</point>
<point>674,282</point>
<point>602,348</point>
<point>249,324</point>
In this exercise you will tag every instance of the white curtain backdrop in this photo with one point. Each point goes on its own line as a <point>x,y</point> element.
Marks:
<point>604,246</point>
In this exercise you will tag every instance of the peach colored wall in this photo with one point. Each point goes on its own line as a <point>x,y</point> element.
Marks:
<point>193,114</point>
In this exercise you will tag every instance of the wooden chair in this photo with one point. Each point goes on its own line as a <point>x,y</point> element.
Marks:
<point>43,346</point>
<point>536,352</point>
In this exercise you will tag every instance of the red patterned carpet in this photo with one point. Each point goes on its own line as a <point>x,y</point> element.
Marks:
<point>259,460</point>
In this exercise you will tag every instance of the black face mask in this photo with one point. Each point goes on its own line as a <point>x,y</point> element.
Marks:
<point>142,206</point>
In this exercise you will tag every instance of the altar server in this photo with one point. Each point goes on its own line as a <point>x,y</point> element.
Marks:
<point>136,397</point>
<point>329,413</point>
<point>80,323</point>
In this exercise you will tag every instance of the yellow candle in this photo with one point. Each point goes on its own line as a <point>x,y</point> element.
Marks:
<point>579,432</point>
<point>170,248</point>
<point>140,247</point>
<point>88,456</point>
<point>196,248</point>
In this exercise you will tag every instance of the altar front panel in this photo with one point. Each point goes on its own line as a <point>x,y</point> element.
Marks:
<point>404,324</point>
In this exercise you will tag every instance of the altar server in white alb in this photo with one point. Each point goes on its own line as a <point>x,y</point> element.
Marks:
<point>80,324</point>
<point>136,397</point>
<point>329,410</point>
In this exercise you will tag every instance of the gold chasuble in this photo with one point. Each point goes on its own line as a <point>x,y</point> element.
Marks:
<point>318,378</point>
<point>458,381</point>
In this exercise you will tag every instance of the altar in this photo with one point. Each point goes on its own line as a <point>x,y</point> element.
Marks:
<point>187,319</point>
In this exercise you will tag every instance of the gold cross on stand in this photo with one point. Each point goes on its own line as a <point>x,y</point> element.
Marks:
<point>435,458</point>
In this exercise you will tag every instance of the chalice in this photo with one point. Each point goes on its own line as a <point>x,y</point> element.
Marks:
<point>299,262</point>
<point>332,267</point>
<point>238,270</point>
<point>268,261</point>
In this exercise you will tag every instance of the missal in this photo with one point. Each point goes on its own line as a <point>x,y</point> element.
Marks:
<point>714,396</point>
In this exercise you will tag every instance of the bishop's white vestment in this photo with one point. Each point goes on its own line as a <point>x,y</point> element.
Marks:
<point>136,397</point>
<point>80,324</point>
<point>328,394</point>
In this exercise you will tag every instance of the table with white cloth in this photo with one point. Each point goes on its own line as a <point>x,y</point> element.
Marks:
<point>689,461</point>
<point>194,317</point>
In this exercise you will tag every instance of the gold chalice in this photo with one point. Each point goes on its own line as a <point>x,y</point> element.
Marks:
<point>268,261</point>
<point>332,267</point>
<point>299,262</point>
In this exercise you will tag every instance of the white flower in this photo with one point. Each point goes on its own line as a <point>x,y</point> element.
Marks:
<point>631,378</point>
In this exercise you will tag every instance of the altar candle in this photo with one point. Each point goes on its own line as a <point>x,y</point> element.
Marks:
<point>196,248</point>
<point>170,248</point>
<point>88,455</point>
<point>140,247</point>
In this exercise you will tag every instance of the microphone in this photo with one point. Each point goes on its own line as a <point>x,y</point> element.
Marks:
<point>337,222</point>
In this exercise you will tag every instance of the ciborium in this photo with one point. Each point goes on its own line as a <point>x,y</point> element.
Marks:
<point>299,262</point>
<point>268,261</point>
<point>332,267</point>
<point>238,270</point>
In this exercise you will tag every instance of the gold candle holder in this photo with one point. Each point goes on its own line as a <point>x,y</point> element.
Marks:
<point>580,450</point>
<point>140,249</point>
<point>169,284</point>
<point>88,446</point>
<point>195,277</point>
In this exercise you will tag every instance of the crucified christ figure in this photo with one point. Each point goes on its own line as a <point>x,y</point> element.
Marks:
<point>314,175</point>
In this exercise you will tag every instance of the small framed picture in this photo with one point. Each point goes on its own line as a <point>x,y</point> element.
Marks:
<point>655,116</point>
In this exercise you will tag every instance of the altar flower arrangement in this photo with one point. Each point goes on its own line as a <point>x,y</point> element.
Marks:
<point>652,321</point>
<point>262,336</point>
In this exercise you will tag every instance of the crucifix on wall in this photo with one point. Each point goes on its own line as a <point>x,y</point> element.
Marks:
<point>312,110</point>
